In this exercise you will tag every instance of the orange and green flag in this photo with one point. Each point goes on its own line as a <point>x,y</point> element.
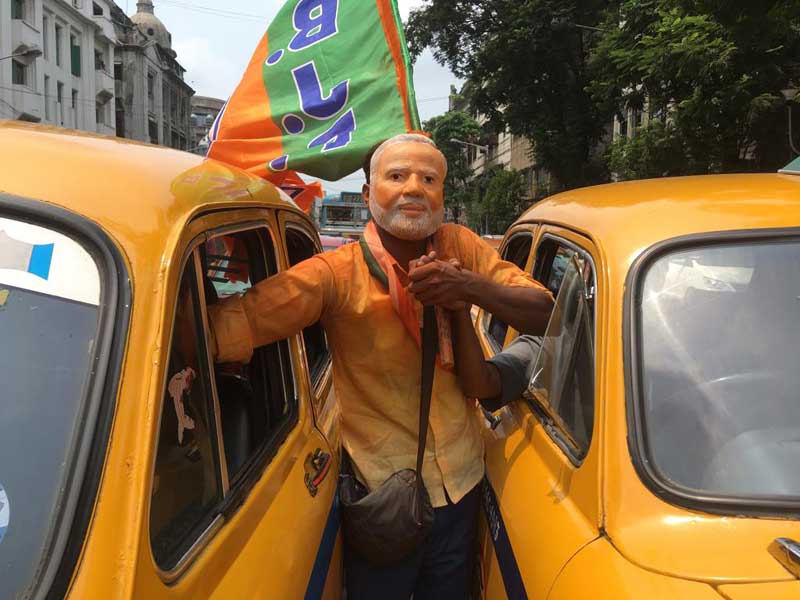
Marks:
<point>329,79</point>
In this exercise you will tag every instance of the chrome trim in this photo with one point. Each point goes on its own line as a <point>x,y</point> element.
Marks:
<point>787,552</point>
<point>223,460</point>
<point>171,576</point>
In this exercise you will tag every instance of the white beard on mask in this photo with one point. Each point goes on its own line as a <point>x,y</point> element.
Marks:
<point>402,226</point>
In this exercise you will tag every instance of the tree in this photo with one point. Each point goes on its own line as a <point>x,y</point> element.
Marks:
<point>454,125</point>
<point>496,200</point>
<point>526,66</point>
<point>711,70</point>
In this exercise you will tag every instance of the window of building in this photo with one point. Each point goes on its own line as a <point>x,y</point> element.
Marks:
<point>562,388</point>
<point>60,102</point>
<point>186,482</point>
<point>18,9</point>
<point>118,71</point>
<point>97,10</point>
<point>75,55</point>
<point>152,128</point>
<point>19,73</point>
<point>46,37</point>
<point>100,113</point>
<point>301,247</point>
<point>59,43</point>
<point>516,251</point>
<point>74,98</point>
<point>47,99</point>
<point>151,85</point>
<point>623,125</point>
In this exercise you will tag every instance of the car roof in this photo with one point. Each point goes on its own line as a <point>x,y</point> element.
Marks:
<point>137,192</point>
<point>628,217</point>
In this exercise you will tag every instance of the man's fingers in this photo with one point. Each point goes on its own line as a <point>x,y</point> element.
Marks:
<point>425,271</point>
<point>456,263</point>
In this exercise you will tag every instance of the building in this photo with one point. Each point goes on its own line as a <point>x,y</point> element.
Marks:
<point>504,150</point>
<point>204,113</point>
<point>153,100</point>
<point>56,61</point>
<point>343,215</point>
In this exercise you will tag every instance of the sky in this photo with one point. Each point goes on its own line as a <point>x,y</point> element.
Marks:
<point>215,45</point>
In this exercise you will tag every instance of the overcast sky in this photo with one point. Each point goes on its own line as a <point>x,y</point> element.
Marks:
<point>215,45</point>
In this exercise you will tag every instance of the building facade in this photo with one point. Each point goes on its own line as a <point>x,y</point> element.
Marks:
<point>153,101</point>
<point>83,64</point>
<point>204,113</point>
<point>56,60</point>
<point>504,150</point>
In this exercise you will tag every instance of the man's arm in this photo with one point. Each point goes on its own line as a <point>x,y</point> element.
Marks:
<point>272,310</point>
<point>526,308</point>
<point>478,378</point>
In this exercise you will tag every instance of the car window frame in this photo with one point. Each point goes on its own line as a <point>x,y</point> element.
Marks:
<point>550,420</point>
<point>232,497</point>
<point>486,319</point>
<point>69,527</point>
<point>631,328</point>
<point>290,221</point>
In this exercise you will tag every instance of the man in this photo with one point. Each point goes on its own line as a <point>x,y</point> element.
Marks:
<point>372,328</point>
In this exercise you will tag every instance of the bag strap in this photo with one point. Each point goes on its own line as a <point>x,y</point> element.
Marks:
<point>430,338</point>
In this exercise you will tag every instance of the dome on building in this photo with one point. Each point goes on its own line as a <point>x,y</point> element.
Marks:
<point>150,25</point>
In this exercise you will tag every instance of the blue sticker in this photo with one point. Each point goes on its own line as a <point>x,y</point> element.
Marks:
<point>41,257</point>
<point>5,513</point>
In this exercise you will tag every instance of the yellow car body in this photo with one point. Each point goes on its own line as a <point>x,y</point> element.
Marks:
<point>265,526</point>
<point>568,522</point>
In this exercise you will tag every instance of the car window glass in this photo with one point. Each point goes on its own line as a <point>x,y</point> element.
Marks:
<point>50,291</point>
<point>256,400</point>
<point>563,375</point>
<point>517,252</point>
<point>719,326</point>
<point>301,247</point>
<point>186,485</point>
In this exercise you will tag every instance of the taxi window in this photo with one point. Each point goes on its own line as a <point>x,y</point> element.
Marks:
<point>562,385</point>
<point>301,247</point>
<point>517,252</point>
<point>220,425</point>
<point>50,313</point>
<point>256,400</point>
<point>186,484</point>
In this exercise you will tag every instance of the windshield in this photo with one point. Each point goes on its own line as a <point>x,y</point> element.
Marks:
<point>49,309</point>
<point>720,380</point>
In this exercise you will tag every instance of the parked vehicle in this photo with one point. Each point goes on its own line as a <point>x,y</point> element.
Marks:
<point>655,452</point>
<point>132,466</point>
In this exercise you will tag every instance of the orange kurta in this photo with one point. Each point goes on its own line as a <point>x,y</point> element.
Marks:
<point>376,362</point>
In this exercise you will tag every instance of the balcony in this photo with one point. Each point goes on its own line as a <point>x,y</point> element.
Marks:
<point>28,105</point>
<point>24,34</point>
<point>106,27</point>
<point>104,85</point>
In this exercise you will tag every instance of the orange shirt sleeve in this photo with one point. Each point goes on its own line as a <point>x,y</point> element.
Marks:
<point>273,309</point>
<point>487,261</point>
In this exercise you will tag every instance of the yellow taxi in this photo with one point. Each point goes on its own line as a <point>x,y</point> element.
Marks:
<point>131,466</point>
<point>655,453</point>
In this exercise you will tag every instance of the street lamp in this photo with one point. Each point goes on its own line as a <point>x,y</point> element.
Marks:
<point>29,52</point>
<point>484,149</point>
<point>790,94</point>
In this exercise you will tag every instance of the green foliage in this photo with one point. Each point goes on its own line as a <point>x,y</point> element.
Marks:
<point>556,71</point>
<point>496,200</point>
<point>460,126</point>
<point>715,68</point>
<point>526,63</point>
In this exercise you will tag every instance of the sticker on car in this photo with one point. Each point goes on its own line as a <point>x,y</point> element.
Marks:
<point>5,513</point>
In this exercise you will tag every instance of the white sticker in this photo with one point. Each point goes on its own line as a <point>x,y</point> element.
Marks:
<point>5,513</point>
<point>181,383</point>
<point>42,260</point>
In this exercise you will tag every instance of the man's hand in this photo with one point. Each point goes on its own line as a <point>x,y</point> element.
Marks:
<point>438,282</point>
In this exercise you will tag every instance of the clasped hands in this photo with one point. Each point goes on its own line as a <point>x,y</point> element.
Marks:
<point>439,282</point>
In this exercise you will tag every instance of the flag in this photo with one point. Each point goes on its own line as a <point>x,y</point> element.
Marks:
<point>329,80</point>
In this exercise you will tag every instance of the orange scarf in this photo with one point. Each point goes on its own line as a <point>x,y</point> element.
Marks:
<point>408,308</point>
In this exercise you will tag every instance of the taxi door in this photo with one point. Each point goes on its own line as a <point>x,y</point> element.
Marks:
<point>541,501</point>
<point>242,503</point>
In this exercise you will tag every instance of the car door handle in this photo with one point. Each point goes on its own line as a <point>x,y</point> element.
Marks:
<point>787,552</point>
<point>317,465</point>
